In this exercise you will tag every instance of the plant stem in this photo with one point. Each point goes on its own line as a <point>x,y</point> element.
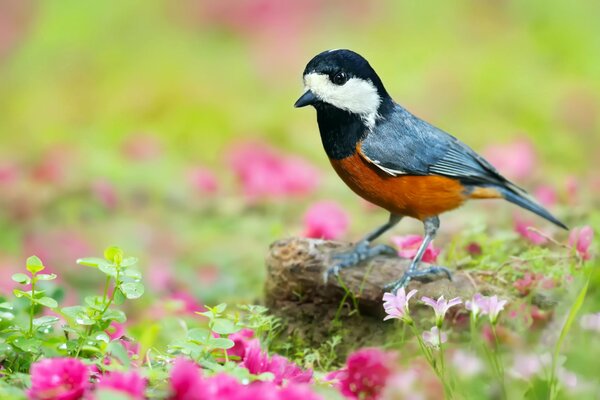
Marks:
<point>112,296</point>
<point>498,361</point>
<point>31,307</point>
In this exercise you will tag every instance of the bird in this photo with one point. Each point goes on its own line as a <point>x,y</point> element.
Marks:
<point>395,160</point>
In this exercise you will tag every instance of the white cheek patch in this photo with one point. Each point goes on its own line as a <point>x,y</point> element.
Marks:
<point>356,96</point>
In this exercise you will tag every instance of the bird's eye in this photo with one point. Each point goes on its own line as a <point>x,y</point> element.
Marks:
<point>340,78</point>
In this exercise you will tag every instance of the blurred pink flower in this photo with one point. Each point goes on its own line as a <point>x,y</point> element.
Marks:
<point>409,244</point>
<point>241,340</point>
<point>325,220</point>
<point>365,374</point>
<point>440,307</point>
<point>477,305</point>
<point>186,381</point>
<point>466,364</point>
<point>590,322</point>
<point>9,173</point>
<point>396,306</point>
<point>58,379</point>
<point>265,173</point>
<point>515,160</point>
<point>52,166</point>
<point>530,281</point>
<point>203,180</point>
<point>493,307</point>
<point>581,239</point>
<point>521,226</point>
<point>142,147</point>
<point>434,337</point>
<point>484,305</point>
<point>474,249</point>
<point>189,304</point>
<point>129,384</point>
<point>115,330</point>
<point>258,362</point>
<point>105,193</point>
<point>572,189</point>
<point>546,195</point>
<point>298,392</point>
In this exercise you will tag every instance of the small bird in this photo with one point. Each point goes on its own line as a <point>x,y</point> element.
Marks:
<point>394,159</point>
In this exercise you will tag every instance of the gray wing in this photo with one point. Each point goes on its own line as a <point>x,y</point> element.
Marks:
<point>403,144</point>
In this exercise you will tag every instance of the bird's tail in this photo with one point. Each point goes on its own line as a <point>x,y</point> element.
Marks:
<point>518,196</point>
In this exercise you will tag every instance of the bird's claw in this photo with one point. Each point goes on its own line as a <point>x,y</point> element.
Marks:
<point>423,275</point>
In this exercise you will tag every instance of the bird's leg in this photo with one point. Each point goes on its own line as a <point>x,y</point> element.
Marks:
<point>431,226</point>
<point>362,251</point>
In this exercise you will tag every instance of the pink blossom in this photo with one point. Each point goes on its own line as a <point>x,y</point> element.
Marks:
<point>409,244</point>
<point>581,239</point>
<point>530,281</point>
<point>116,330</point>
<point>258,362</point>
<point>325,220</point>
<point>142,147</point>
<point>298,392</point>
<point>105,193</point>
<point>203,180</point>
<point>474,249</point>
<point>9,173</point>
<point>466,364</point>
<point>434,337</point>
<point>240,340</point>
<point>189,304</point>
<point>515,160</point>
<point>128,383</point>
<point>365,374</point>
<point>440,307</point>
<point>591,322</point>
<point>186,381</point>
<point>396,306</point>
<point>58,379</point>
<point>477,305</point>
<point>484,305</point>
<point>546,195</point>
<point>521,227</point>
<point>265,173</point>
<point>494,306</point>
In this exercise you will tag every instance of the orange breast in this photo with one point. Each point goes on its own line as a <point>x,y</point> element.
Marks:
<point>414,196</point>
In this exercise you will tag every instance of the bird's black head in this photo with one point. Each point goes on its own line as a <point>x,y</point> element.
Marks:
<point>343,79</point>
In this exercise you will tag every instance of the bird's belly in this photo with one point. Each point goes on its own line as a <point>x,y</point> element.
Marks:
<point>414,196</point>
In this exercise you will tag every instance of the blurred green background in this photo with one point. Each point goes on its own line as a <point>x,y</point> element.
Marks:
<point>127,97</point>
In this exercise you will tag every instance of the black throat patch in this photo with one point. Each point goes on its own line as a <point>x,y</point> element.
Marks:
<point>340,131</point>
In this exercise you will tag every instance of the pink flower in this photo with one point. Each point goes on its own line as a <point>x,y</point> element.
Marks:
<point>515,160</point>
<point>186,381</point>
<point>189,304</point>
<point>581,239</point>
<point>396,306</point>
<point>494,306</point>
<point>240,340</point>
<point>546,195</point>
<point>258,362</point>
<point>591,322</point>
<point>298,392</point>
<point>116,330</point>
<point>203,180</point>
<point>409,244</point>
<point>477,305</point>
<point>265,173</point>
<point>58,379</point>
<point>521,227</point>
<point>434,337</point>
<point>365,374</point>
<point>9,173</point>
<point>142,147</point>
<point>325,220</point>
<point>128,383</point>
<point>440,307</point>
<point>105,193</point>
<point>466,364</point>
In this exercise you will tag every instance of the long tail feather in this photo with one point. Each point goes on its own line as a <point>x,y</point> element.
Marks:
<point>518,196</point>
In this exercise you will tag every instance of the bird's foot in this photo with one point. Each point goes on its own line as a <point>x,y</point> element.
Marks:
<point>421,275</point>
<point>360,253</point>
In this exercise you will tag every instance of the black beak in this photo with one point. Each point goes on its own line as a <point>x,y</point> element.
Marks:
<point>306,99</point>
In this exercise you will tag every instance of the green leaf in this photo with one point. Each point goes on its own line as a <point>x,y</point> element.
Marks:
<point>133,274</point>
<point>119,297</point>
<point>91,261</point>
<point>114,315</point>
<point>45,320</point>
<point>117,350</point>
<point>108,269</point>
<point>20,293</point>
<point>95,302</point>
<point>47,301</point>
<point>218,309</point>
<point>132,290</point>
<point>114,254</point>
<point>78,314</point>
<point>46,277</point>
<point>224,326</point>
<point>6,316</point>
<point>30,345</point>
<point>198,334</point>
<point>129,261</point>
<point>34,265</point>
<point>6,306</point>
<point>100,336</point>
<point>21,278</point>
<point>221,343</point>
